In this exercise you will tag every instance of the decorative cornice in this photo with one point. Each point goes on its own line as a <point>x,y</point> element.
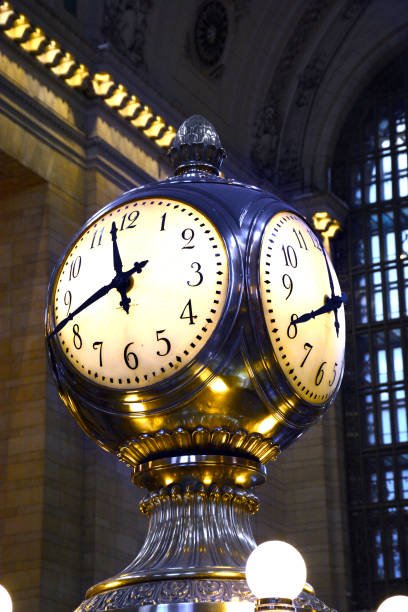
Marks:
<point>78,76</point>
<point>150,445</point>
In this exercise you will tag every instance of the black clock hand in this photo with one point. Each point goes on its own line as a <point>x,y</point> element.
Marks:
<point>342,297</point>
<point>123,284</point>
<point>93,298</point>
<point>117,264</point>
<point>336,319</point>
<point>117,261</point>
<point>118,282</point>
<point>332,303</point>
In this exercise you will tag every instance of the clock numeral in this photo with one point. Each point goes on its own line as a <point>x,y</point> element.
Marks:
<point>163,218</point>
<point>197,271</point>
<point>188,313</point>
<point>320,374</point>
<point>94,241</point>
<point>68,300</point>
<point>314,240</point>
<point>77,337</point>
<point>300,238</point>
<point>130,357</point>
<point>188,235</point>
<point>292,328</point>
<point>75,267</point>
<point>131,217</point>
<point>289,254</point>
<point>308,347</point>
<point>97,345</point>
<point>331,382</point>
<point>287,283</point>
<point>165,340</point>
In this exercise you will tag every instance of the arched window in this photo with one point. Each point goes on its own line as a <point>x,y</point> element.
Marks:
<point>370,173</point>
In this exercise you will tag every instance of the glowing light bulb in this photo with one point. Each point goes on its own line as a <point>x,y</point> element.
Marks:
<point>276,569</point>
<point>397,603</point>
<point>6,605</point>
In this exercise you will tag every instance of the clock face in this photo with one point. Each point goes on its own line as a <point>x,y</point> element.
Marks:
<point>140,292</point>
<point>294,281</point>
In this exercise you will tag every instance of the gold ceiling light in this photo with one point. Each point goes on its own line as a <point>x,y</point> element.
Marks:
<point>117,98</point>
<point>64,65</point>
<point>155,128</point>
<point>7,13</point>
<point>79,76</point>
<point>19,28</point>
<point>35,42</point>
<point>324,223</point>
<point>167,138</point>
<point>143,117</point>
<point>51,54</point>
<point>102,84</point>
<point>327,227</point>
<point>129,110</point>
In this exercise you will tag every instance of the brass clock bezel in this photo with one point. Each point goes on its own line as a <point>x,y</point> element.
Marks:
<point>189,379</point>
<point>266,370</point>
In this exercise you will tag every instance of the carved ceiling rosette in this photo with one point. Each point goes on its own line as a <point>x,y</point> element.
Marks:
<point>125,26</point>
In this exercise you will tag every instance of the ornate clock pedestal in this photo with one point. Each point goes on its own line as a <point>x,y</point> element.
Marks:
<point>199,534</point>
<point>198,540</point>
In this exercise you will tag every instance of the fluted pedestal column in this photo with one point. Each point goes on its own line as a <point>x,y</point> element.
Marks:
<point>199,535</point>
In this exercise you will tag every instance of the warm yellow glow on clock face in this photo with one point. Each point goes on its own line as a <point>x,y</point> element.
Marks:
<point>140,292</point>
<point>303,310</point>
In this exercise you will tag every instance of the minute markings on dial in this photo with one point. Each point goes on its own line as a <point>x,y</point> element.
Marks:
<point>301,236</point>
<point>219,287</point>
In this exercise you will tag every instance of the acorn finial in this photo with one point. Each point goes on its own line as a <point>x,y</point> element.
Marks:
<point>196,147</point>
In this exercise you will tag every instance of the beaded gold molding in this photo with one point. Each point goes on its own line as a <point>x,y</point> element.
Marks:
<point>65,66</point>
<point>199,492</point>
<point>150,445</point>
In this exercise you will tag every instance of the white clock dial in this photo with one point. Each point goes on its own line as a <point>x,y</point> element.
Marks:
<point>172,267</point>
<point>295,284</point>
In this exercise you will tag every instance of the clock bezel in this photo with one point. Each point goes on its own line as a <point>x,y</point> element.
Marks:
<point>266,370</point>
<point>184,383</point>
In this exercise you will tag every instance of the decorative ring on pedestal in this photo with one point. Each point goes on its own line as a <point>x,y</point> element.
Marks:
<point>164,442</point>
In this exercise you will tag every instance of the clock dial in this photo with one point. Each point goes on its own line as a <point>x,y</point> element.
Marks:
<point>140,292</point>
<point>303,308</point>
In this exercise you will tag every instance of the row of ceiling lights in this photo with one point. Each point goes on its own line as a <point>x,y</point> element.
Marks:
<point>98,85</point>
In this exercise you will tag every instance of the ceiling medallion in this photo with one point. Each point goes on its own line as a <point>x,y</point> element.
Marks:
<point>211,30</point>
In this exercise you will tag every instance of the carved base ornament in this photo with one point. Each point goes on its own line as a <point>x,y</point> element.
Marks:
<point>150,445</point>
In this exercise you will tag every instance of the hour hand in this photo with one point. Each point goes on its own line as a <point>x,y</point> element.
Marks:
<point>332,303</point>
<point>122,282</point>
<point>117,261</point>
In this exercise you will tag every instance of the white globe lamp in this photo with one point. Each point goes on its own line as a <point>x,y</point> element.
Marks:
<point>397,603</point>
<point>6,605</point>
<point>275,570</point>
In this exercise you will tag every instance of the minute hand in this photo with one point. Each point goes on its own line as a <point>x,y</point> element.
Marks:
<point>332,303</point>
<point>119,281</point>
<point>93,298</point>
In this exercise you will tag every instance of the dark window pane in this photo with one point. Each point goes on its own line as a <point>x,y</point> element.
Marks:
<point>373,179</point>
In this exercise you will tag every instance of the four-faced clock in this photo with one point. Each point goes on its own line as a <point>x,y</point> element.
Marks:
<point>139,293</point>
<point>303,307</point>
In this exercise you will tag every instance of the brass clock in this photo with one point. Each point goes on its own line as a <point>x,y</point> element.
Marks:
<point>302,307</point>
<point>139,293</point>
